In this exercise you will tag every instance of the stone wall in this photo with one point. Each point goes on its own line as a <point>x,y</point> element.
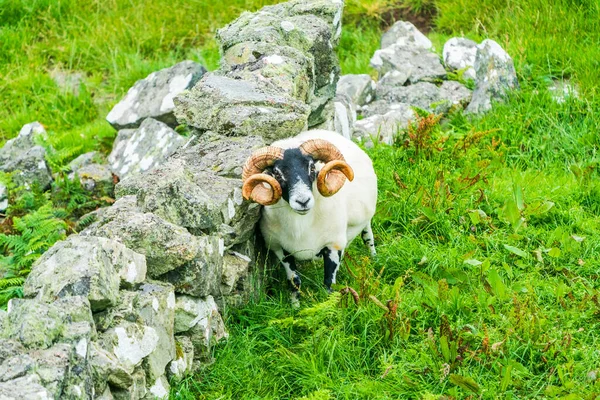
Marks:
<point>135,298</point>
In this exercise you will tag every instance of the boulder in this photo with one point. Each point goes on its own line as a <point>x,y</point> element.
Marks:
<point>83,160</point>
<point>183,363</point>
<point>384,128</point>
<point>165,245</point>
<point>495,76</point>
<point>139,150</point>
<point>405,33</point>
<point>313,27</point>
<point>106,369</point>
<point>25,159</point>
<point>38,325</point>
<point>459,53</point>
<point>159,389</point>
<point>422,95</point>
<point>97,179</point>
<point>199,319</point>
<point>200,276</point>
<point>186,194</point>
<point>341,116</point>
<point>3,198</point>
<point>454,94</point>
<point>281,69</point>
<point>26,387</point>
<point>138,389</point>
<point>359,88</point>
<point>421,64</point>
<point>152,97</point>
<point>89,266</point>
<point>236,267</point>
<point>392,79</point>
<point>130,343</point>
<point>233,107</point>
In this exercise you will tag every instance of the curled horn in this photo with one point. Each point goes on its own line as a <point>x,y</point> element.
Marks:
<point>333,175</point>
<point>254,179</point>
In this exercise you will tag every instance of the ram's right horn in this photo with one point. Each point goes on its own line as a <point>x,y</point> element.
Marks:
<point>258,186</point>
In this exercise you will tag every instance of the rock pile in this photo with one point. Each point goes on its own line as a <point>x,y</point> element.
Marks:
<point>135,298</point>
<point>411,75</point>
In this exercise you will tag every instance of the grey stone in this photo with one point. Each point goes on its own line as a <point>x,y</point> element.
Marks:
<point>455,94</point>
<point>106,369</point>
<point>342,115</point>
<point>104,395</point>
<point>201,322</point>
<point>384,128</point>
<point>136,391</point>
<point>152,97</point>
<point>459,53</point>
<point>130,342</point>
<point>419,63</point>
<point>313,27</point>
<point>240,108</point>
<point>23,157</point>
<point>139,150</point>
<point>155,306</point>
<point>281,69</point>
<point>495,76</point>
<point>186,193</point>
<point>92,157</point>
<point>27,387</point>
<point>33,323</point>
<point>422,95</point>
<point>15,366</point>
<point>561,90</point>
<point>392,79</point>
<point>97,179</point>
<point>236,267</point>
<point>359,88</point>
<point>88,266</point>
<point>8,348</point>
<point>382,107</point>
<point>3,197</point>
<point>158,388</point>
<point>405,33</point>
<point>200,276</point>
<point>183,363</point>
<point>67,80</point>
<point>165,245</point>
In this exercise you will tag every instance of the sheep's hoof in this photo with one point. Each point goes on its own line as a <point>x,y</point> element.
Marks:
<point>329,290</point>
<point>295,300</point>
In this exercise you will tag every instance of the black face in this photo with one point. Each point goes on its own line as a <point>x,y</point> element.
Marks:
<point>296,174</point>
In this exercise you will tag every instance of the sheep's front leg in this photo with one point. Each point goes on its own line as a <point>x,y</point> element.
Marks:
<point>332,259</point>
<point>289,264</point>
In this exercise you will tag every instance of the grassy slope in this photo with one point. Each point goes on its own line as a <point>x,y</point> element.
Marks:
<point>519,204</point>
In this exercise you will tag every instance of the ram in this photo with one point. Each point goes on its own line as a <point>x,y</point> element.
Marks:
<point>319,190</point>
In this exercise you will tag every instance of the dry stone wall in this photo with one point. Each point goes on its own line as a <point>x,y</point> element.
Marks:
<point>137,296</point>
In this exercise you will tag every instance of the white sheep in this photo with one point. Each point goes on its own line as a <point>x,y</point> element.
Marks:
<point>296,179</point>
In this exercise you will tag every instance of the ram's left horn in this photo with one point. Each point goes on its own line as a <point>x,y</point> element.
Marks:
<point>333,175</point>
<point>258,186</point>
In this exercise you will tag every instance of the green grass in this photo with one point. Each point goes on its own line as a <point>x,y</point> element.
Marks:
<point>487,231</point>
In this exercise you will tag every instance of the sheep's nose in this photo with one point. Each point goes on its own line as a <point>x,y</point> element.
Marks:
<point>303,203</point>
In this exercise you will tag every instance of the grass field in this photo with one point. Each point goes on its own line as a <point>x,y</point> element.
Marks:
<point>488,229</point>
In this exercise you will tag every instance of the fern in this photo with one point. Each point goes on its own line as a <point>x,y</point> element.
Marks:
<point>33,235</point>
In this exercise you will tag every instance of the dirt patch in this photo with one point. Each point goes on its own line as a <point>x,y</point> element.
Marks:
<point>422,19</point>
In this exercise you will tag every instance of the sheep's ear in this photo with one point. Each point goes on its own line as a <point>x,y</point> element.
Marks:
<point>332,177</point>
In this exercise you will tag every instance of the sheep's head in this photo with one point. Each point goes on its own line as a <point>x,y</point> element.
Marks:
<point>271,173</point>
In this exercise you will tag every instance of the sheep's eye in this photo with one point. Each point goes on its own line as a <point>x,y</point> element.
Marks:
<point>312,168</point>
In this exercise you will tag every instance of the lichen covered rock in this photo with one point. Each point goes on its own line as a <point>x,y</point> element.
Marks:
<point>459,53</point>
<point>495,76</point>
<point>405,33</point>
<point>152,97</point>
<point>139,150</point>
<point>422,64</point>
<point>94,267</point>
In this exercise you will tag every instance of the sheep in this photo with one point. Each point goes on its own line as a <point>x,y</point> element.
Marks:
<point>295,180</point>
